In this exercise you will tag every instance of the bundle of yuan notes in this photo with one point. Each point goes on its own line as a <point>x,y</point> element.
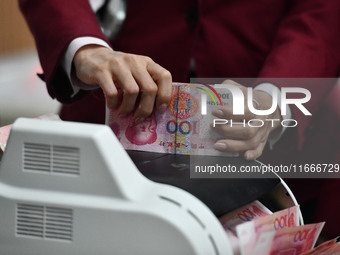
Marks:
<point>183,129</point>
<point>254,230</point>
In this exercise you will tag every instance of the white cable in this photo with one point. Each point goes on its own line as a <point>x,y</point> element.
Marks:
<point>290,194</point>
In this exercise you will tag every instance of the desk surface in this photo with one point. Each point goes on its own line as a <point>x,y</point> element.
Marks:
<point>221,195</point>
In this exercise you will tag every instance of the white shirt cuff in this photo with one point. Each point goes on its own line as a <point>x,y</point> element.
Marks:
<point>67,60</point>
<point>271,89</point>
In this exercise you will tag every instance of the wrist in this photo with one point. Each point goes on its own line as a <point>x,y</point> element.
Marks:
<point>85,51</point>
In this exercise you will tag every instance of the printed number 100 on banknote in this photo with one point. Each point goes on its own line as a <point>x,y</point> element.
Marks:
<point>182,129</point>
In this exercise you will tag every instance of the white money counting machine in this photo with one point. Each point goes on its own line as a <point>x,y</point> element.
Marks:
<point>71,188</point>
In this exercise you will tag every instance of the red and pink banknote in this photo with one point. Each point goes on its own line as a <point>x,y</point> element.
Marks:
<point>182,129</point>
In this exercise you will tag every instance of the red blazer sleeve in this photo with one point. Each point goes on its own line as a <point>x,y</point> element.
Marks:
<point>54,24</point>
<point>307,45</point>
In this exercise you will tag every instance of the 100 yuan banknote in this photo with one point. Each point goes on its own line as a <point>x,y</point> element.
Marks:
<point>251,230</point>
<point>291,240</point>
<point>185,128</point>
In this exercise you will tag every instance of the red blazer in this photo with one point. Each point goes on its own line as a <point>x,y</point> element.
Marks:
<point>226,38</point>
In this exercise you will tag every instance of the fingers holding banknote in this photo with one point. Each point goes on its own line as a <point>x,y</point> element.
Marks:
<point>249,132</point>
<point>128,81</point>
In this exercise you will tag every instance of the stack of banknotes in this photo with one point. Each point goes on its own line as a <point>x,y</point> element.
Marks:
<point>4,133</point>
<point>185,128</point>
<point>254,230</point>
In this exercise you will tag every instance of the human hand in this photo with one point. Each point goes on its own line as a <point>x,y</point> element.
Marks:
<point>134,75</point>
<point>245,138</point>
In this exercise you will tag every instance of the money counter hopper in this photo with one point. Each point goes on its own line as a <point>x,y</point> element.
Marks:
<point>71,188</point>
